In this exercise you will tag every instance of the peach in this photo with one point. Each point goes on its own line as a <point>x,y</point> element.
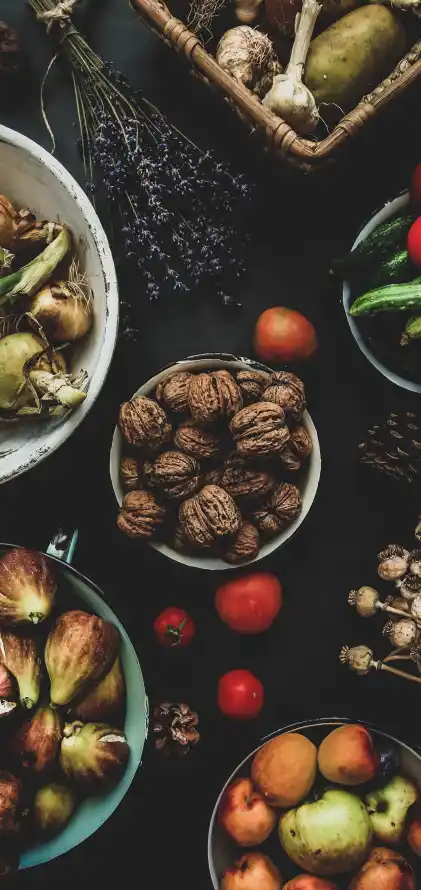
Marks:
<point>245,815</point>
<point>309,882</point>
<point>384,870</point>
<point>284,769</point>
<point>413,835</point>
<point>347,756</point>
<point>253,871</point>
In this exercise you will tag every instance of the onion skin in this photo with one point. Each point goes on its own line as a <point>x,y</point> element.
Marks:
<point>27,587</point>
<point>63,316</point>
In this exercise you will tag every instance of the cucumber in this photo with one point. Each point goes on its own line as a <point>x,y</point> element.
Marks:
<point>393,298</point>
<point>397,269</point>
<point>413,327</point>
<point>386,239</point>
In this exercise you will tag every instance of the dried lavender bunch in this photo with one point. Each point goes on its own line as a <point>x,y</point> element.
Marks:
<point>177,214</point>
<point>393,446</point>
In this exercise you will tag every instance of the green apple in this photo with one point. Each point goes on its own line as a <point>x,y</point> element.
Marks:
<point>327,837</point>
<point>388,807</point>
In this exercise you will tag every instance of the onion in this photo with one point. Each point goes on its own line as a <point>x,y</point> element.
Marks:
<point>63,310</point>
<point>28,371</point>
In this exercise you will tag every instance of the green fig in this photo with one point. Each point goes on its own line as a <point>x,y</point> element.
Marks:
<point>20,656</point>
<point>79,651</point>
<point>37,743</point>
<point>27,587</point>
<point>106,700</point>
<point>93,755</point>
<point>53,806</point>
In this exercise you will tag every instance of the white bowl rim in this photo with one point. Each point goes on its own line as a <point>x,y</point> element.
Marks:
<point>49,441</point>
<point>214,563</point>
<point>381,216</point>
<point>292,727</point>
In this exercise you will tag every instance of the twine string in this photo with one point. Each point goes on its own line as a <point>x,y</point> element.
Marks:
<point>60,14</point>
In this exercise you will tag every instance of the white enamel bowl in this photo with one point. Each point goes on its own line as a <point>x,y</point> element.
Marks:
<point>308,483</point>
<point>398,205</point>
<point>33,179</point>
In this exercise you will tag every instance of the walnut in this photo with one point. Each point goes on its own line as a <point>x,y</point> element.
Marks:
<point>197,441</point>
<point>177,475</point>
<point>143,423</point>
<point>129,473</point>
<point>251,384</point>
<point>288,391</point>
<point>140,516</point>
<point>179,539</point>
<point>209,516</point>
<point>244,546</point>
<point>174,391</point>
<point>259,430</point>
<point>241,480</point>
<point>214,395</point>
<point>298,448</point>
<point>282,507</point>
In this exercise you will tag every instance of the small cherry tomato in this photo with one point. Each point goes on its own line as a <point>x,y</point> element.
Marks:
<point>284,335</point>
<point>414,243</point>
<point>240,695</point>
<point>415,188</point>
<point>249,604</point>
<point>174,628</point>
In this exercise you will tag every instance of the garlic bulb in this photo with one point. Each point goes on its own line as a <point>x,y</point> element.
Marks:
<point>289,98</point>
<point>249,57</point>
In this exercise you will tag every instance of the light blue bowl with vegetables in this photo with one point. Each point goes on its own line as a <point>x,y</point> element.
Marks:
<point>385,265</point>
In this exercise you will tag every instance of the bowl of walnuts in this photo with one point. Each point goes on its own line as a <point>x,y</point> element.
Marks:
<point>215,461</point>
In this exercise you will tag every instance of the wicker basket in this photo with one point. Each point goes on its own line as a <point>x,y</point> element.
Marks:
<point>305,154</point>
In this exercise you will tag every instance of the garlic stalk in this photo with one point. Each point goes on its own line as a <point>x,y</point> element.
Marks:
<point>288,97</point>
<point>29,279</point>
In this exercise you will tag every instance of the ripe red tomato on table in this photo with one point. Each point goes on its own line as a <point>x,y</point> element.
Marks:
<point>240,695</point>
<point>413,245</point>
<point>284,335</point>
<point>249,604</point>
<point>174,628</point>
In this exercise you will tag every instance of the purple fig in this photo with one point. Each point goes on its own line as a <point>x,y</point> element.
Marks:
<point>37,743</point>
<point>53,806</point>
<point>79,651</point>
<point>10,801</point>
<point>106,700</point>
<point>27,587</point>
<point>21,657</point>
<point>93,755</point>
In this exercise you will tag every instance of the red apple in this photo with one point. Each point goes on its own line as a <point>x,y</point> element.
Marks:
<point>245,815</point>
<point>253,871</point>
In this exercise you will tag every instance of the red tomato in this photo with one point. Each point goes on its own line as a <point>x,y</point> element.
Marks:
<point>415,188</point>
<point>240,695</point>
<point>174,627</point>
<point>414,243</point>
<point>249,604</point>
<point>283,335</point>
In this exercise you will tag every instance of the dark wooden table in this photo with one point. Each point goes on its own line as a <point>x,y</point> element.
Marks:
<point>158,836</point>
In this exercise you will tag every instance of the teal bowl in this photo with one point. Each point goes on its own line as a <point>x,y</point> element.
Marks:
<point>94,811</point>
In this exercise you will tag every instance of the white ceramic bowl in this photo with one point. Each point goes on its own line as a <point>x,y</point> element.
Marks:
<point>308,483</point>
<point>390,209</point>
<point>32,178</point>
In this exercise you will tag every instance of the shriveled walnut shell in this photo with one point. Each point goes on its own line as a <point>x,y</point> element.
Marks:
<point>286,390</point>
<point>129,473</point>
<point>209,516</point>
<point>179,540</point>
<point>297,450</point>
<point>241,480</point>
<point>281,508</point>
<point>259,430</point>
<point>144,424</point>
<point>213,395</point>
<point>197,441</point>
<point>251,384</point>
<point>177,475</point>
<point>141,516</point>
<point>174,391</point>
<point>244,546</point>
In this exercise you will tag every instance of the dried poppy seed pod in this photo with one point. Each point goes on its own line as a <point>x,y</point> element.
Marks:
<point>417,530</point>
<point>416,608</point>
<point>359,659</point>
<point>401,633</point>
<point>409,587</point>
<point>415,563</point>
<point>393,562</point>
<point>365,600</point>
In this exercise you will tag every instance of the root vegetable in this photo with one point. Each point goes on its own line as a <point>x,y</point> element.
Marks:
<point>28,372</point>
<point>249,56</point>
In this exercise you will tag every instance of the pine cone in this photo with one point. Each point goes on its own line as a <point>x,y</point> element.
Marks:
<point>394,446</point>
<point>174,727</point>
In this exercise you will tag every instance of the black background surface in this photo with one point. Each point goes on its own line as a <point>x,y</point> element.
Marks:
<point>158,835</point>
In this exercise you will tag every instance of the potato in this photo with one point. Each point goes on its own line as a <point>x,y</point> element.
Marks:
<point>353,55</point>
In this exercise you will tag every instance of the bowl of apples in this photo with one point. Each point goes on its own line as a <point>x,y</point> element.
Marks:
<point>327,805</point>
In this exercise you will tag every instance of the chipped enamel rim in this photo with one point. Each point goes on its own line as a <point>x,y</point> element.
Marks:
<point>35,451</point>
